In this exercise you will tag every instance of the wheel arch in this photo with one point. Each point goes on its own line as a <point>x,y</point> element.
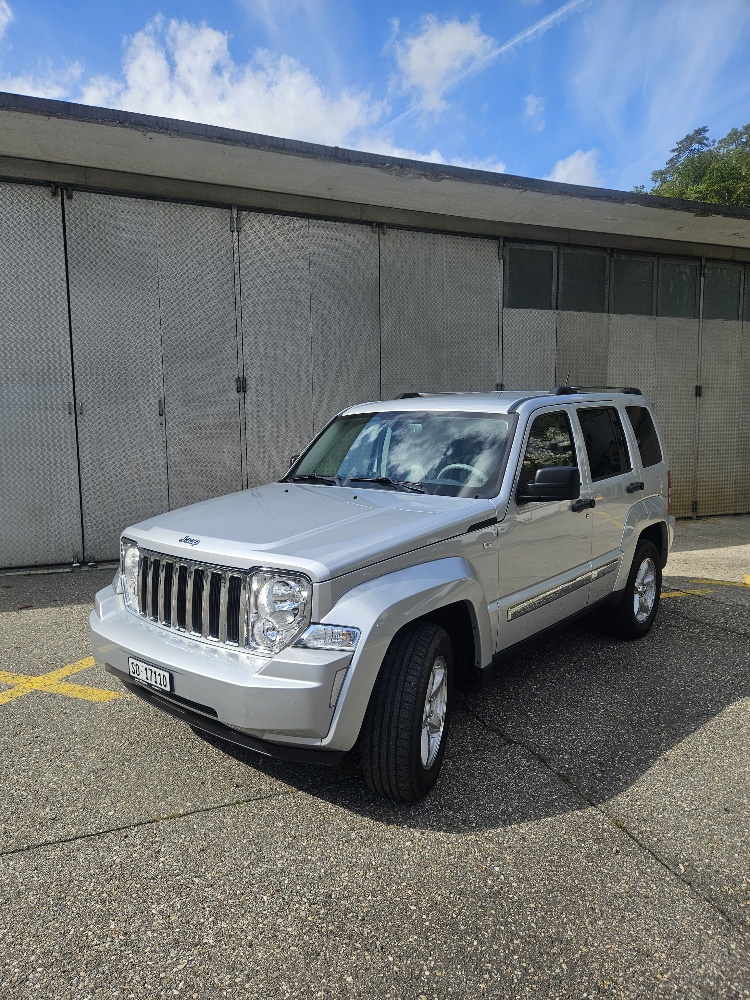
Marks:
<point>446,592</point>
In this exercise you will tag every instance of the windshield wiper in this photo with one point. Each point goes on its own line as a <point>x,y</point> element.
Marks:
<point>386,481</point>
<point>315,477</point>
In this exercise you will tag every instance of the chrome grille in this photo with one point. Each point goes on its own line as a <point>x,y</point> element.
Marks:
<point>194,598</point>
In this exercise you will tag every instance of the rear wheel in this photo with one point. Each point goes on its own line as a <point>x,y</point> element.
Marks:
<point>634,614</point>
<point>406,725</point>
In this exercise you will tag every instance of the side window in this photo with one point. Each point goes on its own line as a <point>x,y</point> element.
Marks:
<point>550,443</point>
<point>645,434</point>
<point>605,442</point>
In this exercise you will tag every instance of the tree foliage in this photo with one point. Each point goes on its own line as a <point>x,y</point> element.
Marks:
<point>703,169</point>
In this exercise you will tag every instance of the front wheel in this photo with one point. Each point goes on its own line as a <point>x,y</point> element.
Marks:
<point>406,725</point>
<point>635,612</point>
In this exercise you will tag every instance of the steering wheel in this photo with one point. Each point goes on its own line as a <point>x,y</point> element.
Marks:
<point>472,469</point>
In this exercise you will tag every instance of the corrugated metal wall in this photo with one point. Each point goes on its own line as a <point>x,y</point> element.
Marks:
<point>155,354</point>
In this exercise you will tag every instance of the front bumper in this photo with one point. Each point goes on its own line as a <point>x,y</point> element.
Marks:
<point>285,699</point>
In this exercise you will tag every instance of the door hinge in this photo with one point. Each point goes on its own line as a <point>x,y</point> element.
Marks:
<point>699,390</point>
<point>241,383</point>
<point>694,507</point>
<point>235,223</point>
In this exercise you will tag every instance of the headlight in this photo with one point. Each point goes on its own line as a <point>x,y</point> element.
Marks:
<point>330,637</point>
<point>129,563</point>
<point>279,609</point>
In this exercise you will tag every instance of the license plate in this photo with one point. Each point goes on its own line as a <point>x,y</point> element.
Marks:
<point>147,674</point>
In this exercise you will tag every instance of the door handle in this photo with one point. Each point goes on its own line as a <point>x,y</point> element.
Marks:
<point>634,487</point>
<point>583,504</point>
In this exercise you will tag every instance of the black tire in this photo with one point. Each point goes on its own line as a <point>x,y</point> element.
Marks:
<point>391,743</point>
<point>624,620</point>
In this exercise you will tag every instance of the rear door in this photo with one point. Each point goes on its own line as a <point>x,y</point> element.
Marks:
<point>544,548</point>
<point>612,483</point>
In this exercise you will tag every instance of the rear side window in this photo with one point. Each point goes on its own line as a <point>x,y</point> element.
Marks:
<point>605,442</point>
<point>645,435</point>
<point>550,443</point>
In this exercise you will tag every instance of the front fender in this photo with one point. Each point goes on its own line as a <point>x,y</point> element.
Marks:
<point>380,608</point>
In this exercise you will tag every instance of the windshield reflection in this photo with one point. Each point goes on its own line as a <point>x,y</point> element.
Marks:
<point>452,454</point>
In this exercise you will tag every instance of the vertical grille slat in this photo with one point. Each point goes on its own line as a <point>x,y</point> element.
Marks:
<point>160,610</point>
<point>153,565</point>
<point>205,601</point>
<point>143,586</point>
<point>181,594</point>
<point>198,588</point>
<point>223,603</point>
<point>233,609</point>
<point>189,588</point>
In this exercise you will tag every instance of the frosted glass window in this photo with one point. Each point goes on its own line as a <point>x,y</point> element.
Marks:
<point>529,276</point>
<point>678,289</point>
<point>583,285</point>
<point>633,286</point>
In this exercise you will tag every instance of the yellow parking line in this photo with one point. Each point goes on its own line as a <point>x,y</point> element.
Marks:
<point>725,583</point>
<point>684,593</point>
<point>54,683</point>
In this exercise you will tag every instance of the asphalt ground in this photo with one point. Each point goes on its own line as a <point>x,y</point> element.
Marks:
<point>589,836</point>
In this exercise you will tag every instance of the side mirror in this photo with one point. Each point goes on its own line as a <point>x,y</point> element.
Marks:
<point>292,460</point>
<point>556,482</point>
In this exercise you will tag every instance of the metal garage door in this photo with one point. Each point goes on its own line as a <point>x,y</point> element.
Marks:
<point>722,478</point>
<point>439,313</point>
<point>40,517</point>
<point>200,352</point>
<point>582,348</point>
<point>345,312</point>
<point>529,341</point>
<point>274,256</point>
<point>114,302</point>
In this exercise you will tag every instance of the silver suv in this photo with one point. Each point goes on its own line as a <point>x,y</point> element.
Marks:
<point>414,540</point>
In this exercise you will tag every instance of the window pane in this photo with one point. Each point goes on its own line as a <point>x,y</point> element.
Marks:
<point>645,434</point>
<point>721,292</point>
<point>632,286</point>
<point>678,287</point>
<point>583,286</point>
<point>605,442</point>
<point>550,443</point>
<point>529,277</point>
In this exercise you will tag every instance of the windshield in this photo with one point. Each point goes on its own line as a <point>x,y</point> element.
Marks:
<point>452,454</point>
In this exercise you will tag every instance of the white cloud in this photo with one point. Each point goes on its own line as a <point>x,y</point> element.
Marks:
<point>386,147</point>
<point>650,73</point>
<point>578,168</point>
<point>533,113</point>
<point>176,69</point>
<point>6,16</point>
<point>182,70</point>
<point>54,84</point>
<point>439,56</point>
<point>539,27</point>
<point>274,13</point>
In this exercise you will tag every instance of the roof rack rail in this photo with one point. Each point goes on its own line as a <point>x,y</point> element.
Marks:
<point>572,390</point>
<point>411,395</point>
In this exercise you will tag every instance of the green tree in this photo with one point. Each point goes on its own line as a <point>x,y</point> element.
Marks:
<point>703,169</point>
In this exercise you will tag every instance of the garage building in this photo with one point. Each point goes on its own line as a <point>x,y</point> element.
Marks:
<point>182,307</point>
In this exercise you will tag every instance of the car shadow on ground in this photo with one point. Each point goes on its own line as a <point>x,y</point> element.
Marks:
<point>568,722</point>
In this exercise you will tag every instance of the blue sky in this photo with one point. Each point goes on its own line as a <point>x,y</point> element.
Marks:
<point>584,91</point>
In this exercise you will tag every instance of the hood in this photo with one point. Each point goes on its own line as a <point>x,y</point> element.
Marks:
<point>324,531</point>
